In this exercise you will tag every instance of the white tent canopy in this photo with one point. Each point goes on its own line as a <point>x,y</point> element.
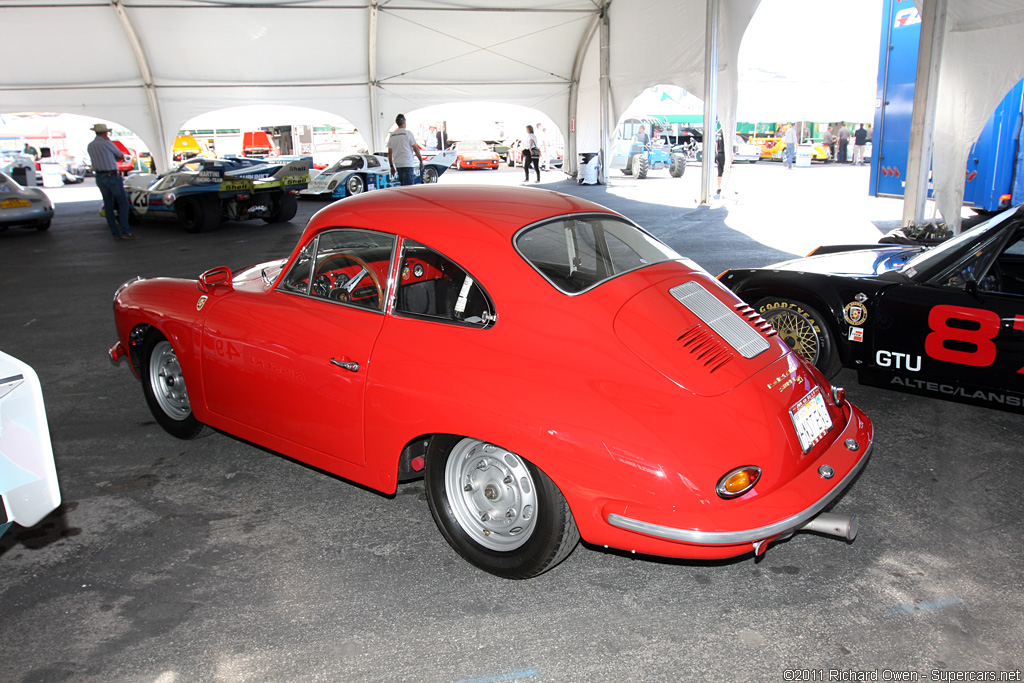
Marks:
<point>152,65</point>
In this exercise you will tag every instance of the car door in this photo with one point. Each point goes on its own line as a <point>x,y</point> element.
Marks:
<point>293,361</point>
<point>961,334</point>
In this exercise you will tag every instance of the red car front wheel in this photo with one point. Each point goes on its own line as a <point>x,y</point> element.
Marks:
<point>163,384</point>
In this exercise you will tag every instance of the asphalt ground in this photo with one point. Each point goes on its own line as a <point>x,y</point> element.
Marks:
<point>215,560</point>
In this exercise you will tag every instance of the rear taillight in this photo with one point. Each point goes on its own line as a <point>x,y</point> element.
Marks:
<point>738,481</point>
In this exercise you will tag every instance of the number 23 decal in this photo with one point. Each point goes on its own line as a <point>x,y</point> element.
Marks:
<point>140,200</point>
<point>982,327</point>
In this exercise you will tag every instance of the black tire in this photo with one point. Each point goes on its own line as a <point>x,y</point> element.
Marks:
<point>804,330</point>
<point>640,166</point>
<point>164,387</point>
<point>510,158</point>
<point>284,209</point>
<point>429,175</point>
<point>678,166</point>
<point>466,479</point>
<point>628,168</point>
<point>198,214</point>
<point>354,184</point>
<point>43,226</point>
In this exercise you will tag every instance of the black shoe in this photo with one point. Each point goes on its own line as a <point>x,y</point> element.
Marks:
<point>130,236</point>
<point>116,237</point>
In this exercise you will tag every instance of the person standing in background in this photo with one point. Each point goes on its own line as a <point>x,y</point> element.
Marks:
<point>829,139</point>
<point>720,159</point>
<point>844,142</point>
<point>860,140</point>
<point>105,155</point>
<point>542,145</point>
<point>789,156</point>
<point>531,154</point>
<point>402,152</point>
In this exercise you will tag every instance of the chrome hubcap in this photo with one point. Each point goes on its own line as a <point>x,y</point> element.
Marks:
<point>168,383</point>
<point>491,494</point>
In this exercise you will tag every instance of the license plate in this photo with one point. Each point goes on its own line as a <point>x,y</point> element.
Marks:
<point>15,204</point>
<point>811,419</point>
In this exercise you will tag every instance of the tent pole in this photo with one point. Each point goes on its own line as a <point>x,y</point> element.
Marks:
<point>922,118</point>
<point>142,61</point>
<point>605,97</point>
<point>711,24</point>
<point>371,69</point>
<point>570,164</point>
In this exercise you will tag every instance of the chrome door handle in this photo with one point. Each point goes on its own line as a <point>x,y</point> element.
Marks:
<point>348,365</point>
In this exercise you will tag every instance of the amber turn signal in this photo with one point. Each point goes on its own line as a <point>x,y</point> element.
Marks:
<point>738,481</point>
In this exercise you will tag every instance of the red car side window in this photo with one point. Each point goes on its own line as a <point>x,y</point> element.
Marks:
<point>433,287</point>
<point>346,266</point>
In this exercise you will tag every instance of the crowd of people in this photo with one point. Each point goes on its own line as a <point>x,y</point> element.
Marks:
<point>838,144</point>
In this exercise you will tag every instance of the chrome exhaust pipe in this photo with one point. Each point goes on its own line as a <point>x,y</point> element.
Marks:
<point>843,526</point>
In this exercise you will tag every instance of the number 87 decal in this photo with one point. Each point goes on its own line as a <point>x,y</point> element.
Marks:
<point>983,326</point>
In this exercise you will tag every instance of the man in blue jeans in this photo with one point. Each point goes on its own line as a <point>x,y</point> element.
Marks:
<point>791,140</point>
<point>403,150</point>
<point>105,155</point>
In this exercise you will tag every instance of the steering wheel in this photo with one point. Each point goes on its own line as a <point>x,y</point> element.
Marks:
<point>342,291</point>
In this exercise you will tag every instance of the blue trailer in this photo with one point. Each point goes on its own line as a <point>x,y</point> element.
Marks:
<point>995,166</point>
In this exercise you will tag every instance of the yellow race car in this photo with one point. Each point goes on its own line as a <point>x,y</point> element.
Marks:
<point>772,148</point>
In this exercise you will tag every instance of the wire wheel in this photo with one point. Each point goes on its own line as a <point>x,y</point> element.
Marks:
<point>797,332</point>
<point>804,330</point>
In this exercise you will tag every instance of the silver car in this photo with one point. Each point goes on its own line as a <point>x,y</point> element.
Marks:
<point>23,207</point>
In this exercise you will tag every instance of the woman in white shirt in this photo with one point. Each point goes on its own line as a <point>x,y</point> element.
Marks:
<point>531,154</point>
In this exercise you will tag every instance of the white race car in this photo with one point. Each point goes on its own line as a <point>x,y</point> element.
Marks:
<point>357,173</point>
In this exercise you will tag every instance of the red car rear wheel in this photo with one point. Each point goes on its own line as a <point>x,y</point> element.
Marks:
<point>497,509</point>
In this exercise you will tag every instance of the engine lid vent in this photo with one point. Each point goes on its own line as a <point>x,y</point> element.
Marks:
<point>706,347</point>
<point>726,322</point>
<point>755,319</point>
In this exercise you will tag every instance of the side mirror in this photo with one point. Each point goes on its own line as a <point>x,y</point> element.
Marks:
<point>214,277</point>
<point>971,287</point>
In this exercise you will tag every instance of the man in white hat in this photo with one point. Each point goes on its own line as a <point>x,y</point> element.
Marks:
<point>105,155</point>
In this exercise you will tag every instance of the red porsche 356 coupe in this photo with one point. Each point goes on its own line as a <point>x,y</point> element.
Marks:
<point>552,370</point>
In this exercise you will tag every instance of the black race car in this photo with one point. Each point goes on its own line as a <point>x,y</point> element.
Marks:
<point>946,321</point>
